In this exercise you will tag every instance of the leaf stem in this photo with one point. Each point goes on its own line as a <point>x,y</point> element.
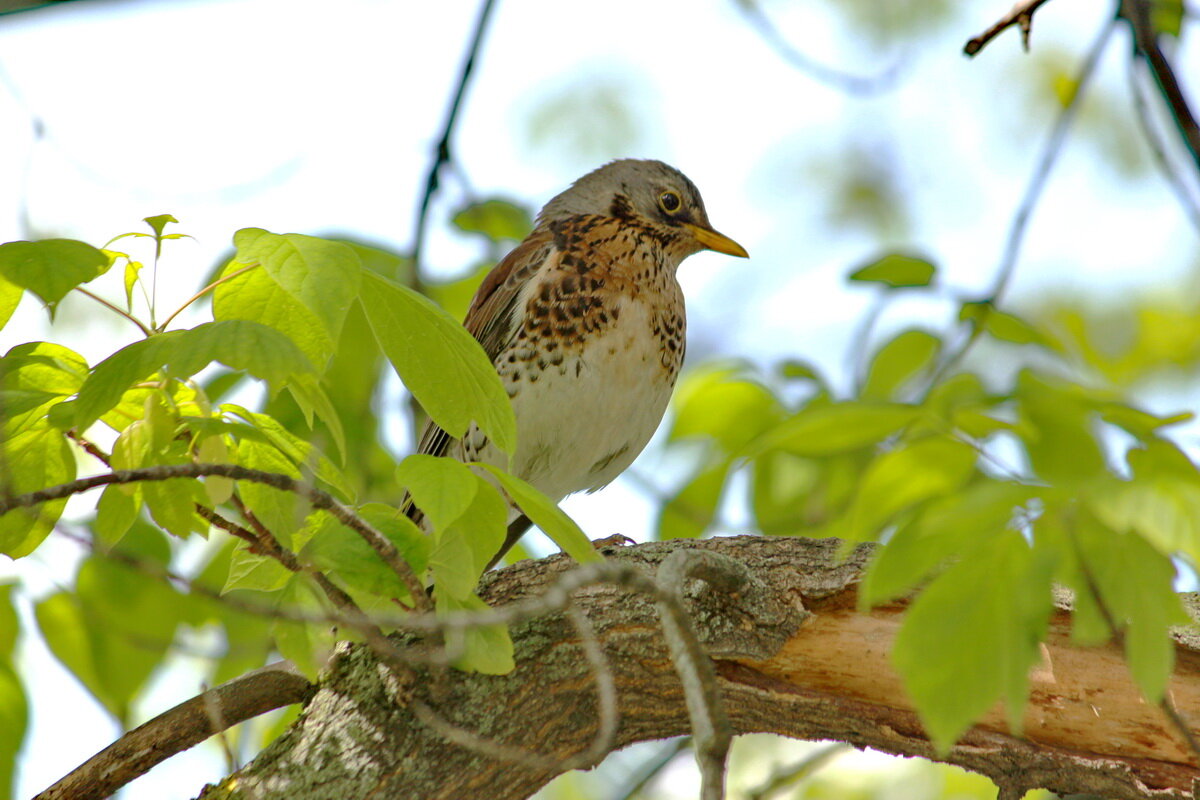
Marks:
<point>115,309</point>
<point>203,292</point>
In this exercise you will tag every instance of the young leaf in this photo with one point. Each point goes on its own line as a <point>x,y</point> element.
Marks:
<point>239,344</point>
<point>972,636</point>
<point>690,512</point>
<point>496,218</point>
<point>14,708</point>
<point>115,513</point>
<point>899,361</point>
<point>258,573</point>
<point>441,487</point>
<point>281,512</point>
<point>32,459</point>
<point>546,515</point>
<point>440,363</point>
<point>52,267</point>
<point>10,298</point>
<point>897,271</point>
<point>487,649</point>
<point>463,549</point>
<point>335,548</point>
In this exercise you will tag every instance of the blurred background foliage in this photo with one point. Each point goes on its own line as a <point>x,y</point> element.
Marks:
<point>912,151</point>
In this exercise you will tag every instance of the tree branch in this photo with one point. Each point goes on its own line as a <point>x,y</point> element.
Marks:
<point>185,725</point>
<point>779,648</point>
<point>1021,16</point>
<point>318,498</point>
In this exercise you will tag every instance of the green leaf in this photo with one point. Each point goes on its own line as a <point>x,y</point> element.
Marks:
<point>973,635</point>
<point>488,649</point>
<point>829,429</point>
<point>10,298</point>
<point>950,527</point>
<point>546,515</point>
<point>307,646</point>
<point>442,488</point>
<point>32,459</point>
<point>52,267</point>
<point>495,218</point>
<point>783,487</point>
<point>159,222</point>
<point>281,512</point>
<point>258,573</point>
<point>302,454</point>
<point>336,549</point>
<point>1059,435</point>
<point>1002,325</point>
<point>898,361</point>
<point>312,399</point>
<point>305,287</point>
<point>440,363</point>
<point>1166,17</point>
<point>897,271</point>
<point>214,450</point>
<point>717,405</point>
<point>463,549</point>
<point>115,513</point>
<point>14,708</point>
<point>172,504</point>
<point>132,268</point>
<point>929,468</point>
<point>239,344</point>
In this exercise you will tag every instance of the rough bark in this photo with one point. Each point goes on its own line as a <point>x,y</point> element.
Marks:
<point>794,656</point>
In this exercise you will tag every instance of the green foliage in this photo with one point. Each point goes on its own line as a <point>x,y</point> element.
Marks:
<point>897,271</point>
<point>52,267</point>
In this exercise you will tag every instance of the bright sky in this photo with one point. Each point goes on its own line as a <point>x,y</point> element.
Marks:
<point>320,118</point>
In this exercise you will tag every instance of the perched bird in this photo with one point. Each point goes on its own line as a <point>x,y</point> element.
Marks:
<point>584,322</point>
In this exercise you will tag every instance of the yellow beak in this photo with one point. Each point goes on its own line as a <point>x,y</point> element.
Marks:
<point>716,241</point>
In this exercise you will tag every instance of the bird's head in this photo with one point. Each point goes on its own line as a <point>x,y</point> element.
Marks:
<point>648,192</point>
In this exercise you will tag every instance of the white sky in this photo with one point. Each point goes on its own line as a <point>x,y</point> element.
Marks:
<point>320,118</point>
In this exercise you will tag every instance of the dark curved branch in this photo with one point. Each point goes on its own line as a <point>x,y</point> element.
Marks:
<point>317,497</point>
<point>1021,16</point>
<point>187,724</point>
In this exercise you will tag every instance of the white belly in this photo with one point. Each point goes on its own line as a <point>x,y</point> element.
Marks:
<point>585,420</point>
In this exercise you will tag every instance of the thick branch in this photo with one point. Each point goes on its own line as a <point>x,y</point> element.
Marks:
<point>185,725</point>
<point>793,656</point>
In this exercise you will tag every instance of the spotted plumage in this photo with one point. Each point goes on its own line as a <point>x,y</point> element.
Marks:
<point>584,321</point>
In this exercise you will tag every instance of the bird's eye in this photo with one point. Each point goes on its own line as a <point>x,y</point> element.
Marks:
<point>669,201</point>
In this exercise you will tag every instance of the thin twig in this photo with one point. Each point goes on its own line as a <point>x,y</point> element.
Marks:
<point>654,766</point>
<point>203,292</point>
<point>1146,46</point>
<point>1021,16</point>
<point>115,309</point>
<point>442,152</point>
<point>1191,208</point>
<point>318,498</point>
<point>792,774</point>
<point>1033,193</point>
<point>822,73</point>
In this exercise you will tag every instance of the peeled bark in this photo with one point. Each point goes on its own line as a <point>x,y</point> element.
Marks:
<point>793,654</point>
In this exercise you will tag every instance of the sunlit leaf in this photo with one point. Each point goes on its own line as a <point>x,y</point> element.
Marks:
<point>691,511</point>
<point>898,361</point>
<point>897,271</point>
<point>972,636</point>
<point>547,516</point>
<point>440,363</point>
<point>33,459</point>
<point>496,218</point>
<point>10,298</point>
<point>52,267</point>
<point>280,511</point>
<point>442,488</point>
<point>342,552</point>
<point>463,549</point>
<point>251,571</point>
<point>488,649</point>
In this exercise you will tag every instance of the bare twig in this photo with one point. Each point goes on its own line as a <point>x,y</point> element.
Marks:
<point>204,291</point>
<point>711,731</point>
<point>792,774</point>
<point>822,73</point>
<point>654,766</point>
<point>442,152</point>
<point>1021,16</point>
<point>1190,205</point>
<point>1145,38</point>
<point>1033,192</point>
<point>318,498</point>
<point>186,724</point>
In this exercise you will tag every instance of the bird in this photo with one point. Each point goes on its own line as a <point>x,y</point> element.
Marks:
<point>584,322</point>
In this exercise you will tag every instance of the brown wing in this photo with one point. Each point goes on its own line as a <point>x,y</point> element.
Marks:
<point>492,318</point>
